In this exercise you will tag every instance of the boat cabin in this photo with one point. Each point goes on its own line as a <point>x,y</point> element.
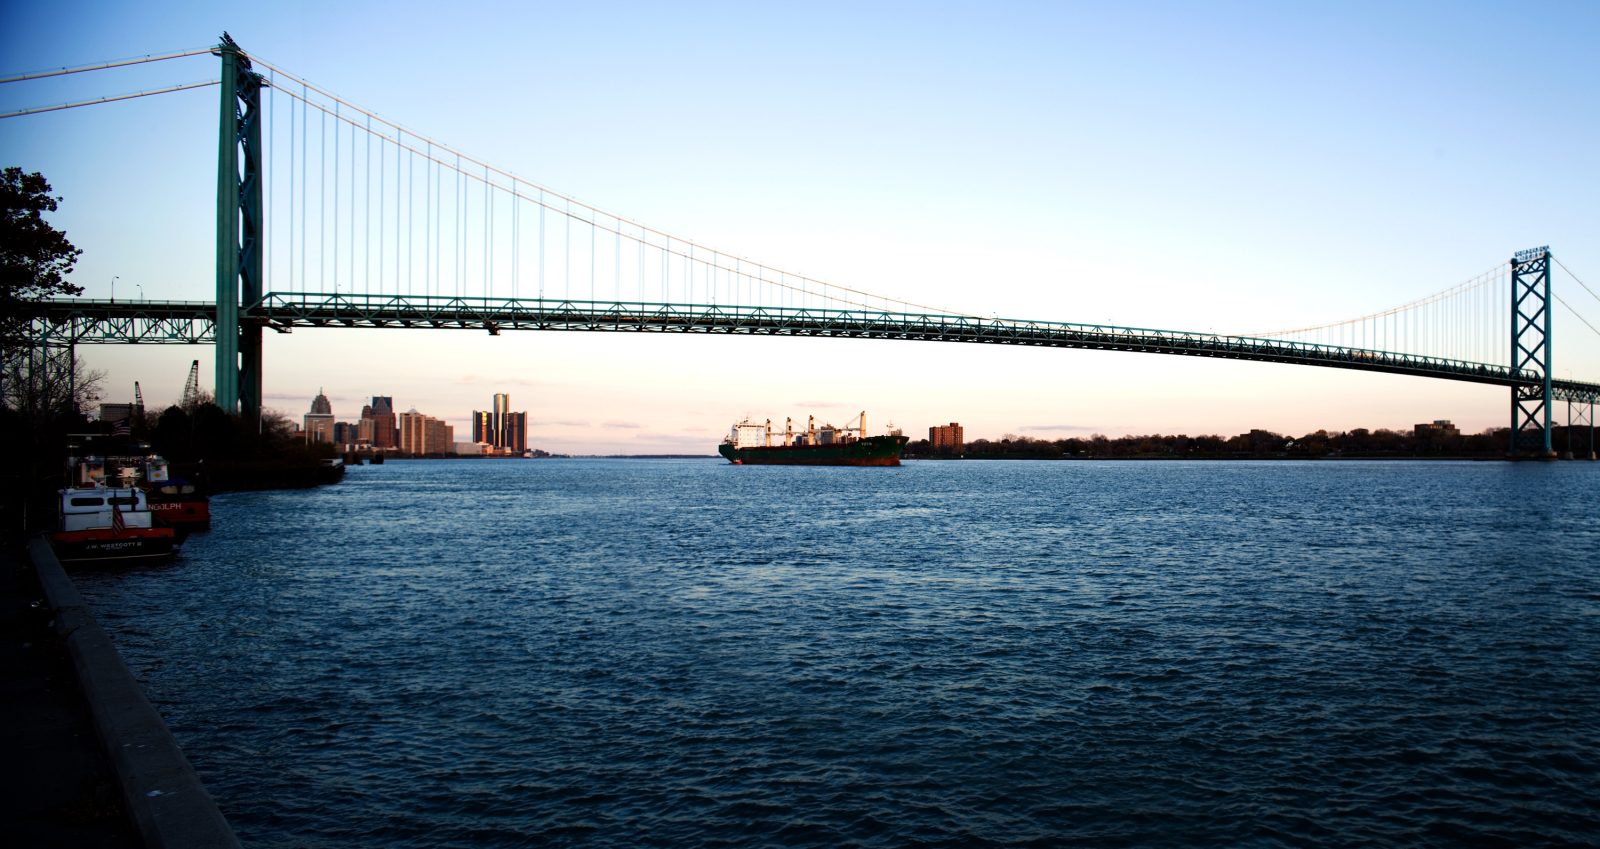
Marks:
<point>88,508</point>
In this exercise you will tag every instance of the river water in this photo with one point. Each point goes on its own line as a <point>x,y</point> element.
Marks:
<point>686,653</point>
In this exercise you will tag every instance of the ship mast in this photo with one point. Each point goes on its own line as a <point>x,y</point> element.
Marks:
<point>768,442</point>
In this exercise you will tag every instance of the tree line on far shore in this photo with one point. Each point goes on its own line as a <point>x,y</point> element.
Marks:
<point>1257,444</point>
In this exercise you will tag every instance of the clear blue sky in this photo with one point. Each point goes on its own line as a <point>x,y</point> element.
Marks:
<point>1231,167</point>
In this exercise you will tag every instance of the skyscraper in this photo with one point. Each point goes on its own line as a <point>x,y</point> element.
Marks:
<point>384,432</point>
<point>319,422</point>
<point>516,432</point>
<point>502,405</point>
<point>501,429</point>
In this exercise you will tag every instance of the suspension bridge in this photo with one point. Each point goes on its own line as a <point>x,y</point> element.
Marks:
<point>373,225</point>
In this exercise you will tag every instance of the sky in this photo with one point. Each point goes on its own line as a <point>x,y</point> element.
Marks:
<point>1227,167</point>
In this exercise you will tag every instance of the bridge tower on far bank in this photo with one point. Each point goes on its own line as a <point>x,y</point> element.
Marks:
<point>1530,351</point>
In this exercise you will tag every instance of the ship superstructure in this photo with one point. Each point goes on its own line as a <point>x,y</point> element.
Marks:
<point>756,443</point>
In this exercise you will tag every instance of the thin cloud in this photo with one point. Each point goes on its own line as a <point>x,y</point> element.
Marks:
<point>622,425</point>
<point>1064,427</point>
<point>552,423</point>
<point>475,380</point>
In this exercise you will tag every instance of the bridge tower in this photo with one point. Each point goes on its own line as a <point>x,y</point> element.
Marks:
<point>240,234</point>
<point>1530,352</point>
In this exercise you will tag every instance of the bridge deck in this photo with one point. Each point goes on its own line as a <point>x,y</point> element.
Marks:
<point>87,322</point>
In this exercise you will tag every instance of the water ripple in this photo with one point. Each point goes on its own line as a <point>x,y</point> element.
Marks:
<point>608,653</point>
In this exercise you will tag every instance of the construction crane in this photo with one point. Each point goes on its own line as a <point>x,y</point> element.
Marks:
<point>138,402</point>
<point>191,387</point>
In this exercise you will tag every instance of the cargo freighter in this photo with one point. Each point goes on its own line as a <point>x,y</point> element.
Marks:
<point>754,444</point>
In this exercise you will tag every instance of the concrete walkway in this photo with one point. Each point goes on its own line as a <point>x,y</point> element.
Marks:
<point>57,787</point>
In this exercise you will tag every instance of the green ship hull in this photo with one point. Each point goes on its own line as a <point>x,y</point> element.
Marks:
<point>871,451</point>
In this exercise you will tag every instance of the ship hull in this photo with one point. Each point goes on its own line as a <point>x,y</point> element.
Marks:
<point>872,451</point>
<point>183,514</point>
<point>105,546</point>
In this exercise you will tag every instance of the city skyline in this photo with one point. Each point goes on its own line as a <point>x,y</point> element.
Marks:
<point>1236,168</point>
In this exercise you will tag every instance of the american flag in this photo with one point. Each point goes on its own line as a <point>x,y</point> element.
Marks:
<point>117,525</point>
<point>121,427</point>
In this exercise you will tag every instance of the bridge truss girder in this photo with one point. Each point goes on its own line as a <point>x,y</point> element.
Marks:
<point>285,312</point>
<point>66,322</point>
<point>78,322</point>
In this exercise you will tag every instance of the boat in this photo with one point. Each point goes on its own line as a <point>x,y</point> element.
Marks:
<point>178,504</point>
<point>110,525</point>
<point>121,461</point>
<point>755,444</point>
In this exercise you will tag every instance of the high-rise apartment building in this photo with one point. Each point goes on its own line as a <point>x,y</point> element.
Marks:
<point>421,434</point>
<point>319,422</point>
<point>946,439</point>
<point>500,428</point>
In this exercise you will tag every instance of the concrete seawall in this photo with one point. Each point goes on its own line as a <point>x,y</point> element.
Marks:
<point>164,797</point>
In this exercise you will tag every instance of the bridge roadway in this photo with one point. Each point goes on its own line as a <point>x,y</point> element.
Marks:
<point>80,321</point>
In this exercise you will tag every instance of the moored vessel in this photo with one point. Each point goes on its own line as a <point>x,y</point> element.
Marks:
<point>109,525</point>
<point>755,444</point>
<point>120,461</point>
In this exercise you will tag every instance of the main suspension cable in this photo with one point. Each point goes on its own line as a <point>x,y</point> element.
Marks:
<point>101,66</point>
<point>111,98</point>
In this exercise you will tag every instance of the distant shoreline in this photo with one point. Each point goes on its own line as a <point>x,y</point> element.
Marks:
<point>1455,458</point>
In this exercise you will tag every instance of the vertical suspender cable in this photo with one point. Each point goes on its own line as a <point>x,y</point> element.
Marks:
<point>516,237</point>
<point>438,229</point>
<point>427,221</point>
<point>336,196</point>
<point>541,245</point>
<point>366,225</point>
<point>399,153</point>
<point>460,265</point>
<point>292,123</point>
<point>352,208</point>
<point>488,232</point>
<point>272,173</point>
<point>305,153</point>
<point>383,191</point>
<point>322,206</point>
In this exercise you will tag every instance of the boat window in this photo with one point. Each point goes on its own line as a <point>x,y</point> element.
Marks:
<point>86,502</point>
<point>125,501</point>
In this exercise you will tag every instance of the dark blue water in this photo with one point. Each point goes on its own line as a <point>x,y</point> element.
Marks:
<point>686,653</point>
